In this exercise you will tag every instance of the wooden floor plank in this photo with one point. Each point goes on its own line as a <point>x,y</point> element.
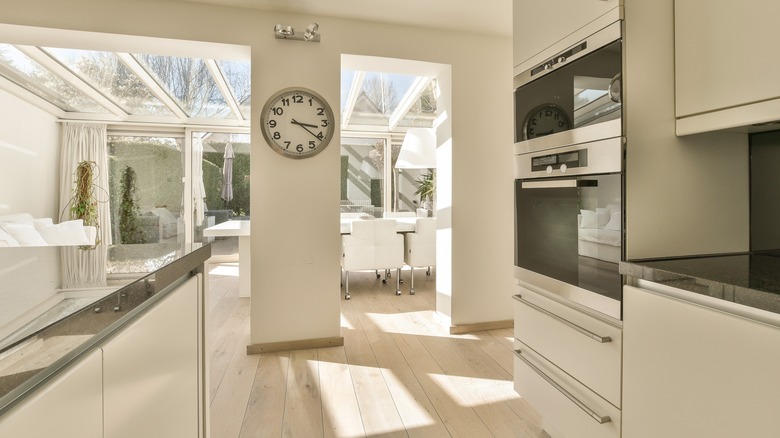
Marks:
<point>341,414</point>
<point>265,407</point>
<point>303,406</point>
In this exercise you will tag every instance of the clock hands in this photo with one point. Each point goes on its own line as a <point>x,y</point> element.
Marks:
<point>304,126</point>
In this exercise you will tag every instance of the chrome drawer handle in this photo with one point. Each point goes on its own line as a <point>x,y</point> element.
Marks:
<point>600,419</point>
<point>584,331</point>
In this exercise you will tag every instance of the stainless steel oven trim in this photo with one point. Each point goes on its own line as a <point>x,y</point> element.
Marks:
<point>604,156</point>
<point>594,42</point>
<point>591,303</point>
<point>599,131</point>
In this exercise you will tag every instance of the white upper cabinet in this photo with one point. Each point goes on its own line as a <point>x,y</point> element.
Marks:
<point>544,28</point>
<point>726,64</point>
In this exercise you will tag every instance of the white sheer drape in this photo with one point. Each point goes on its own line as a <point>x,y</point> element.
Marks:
<point>198,189</point>
<point>85,142</point>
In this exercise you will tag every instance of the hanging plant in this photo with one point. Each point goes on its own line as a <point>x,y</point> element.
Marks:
<point>84,203</point>
<point>129,211</point>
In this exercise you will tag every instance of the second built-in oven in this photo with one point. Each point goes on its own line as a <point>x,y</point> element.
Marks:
<point>569,223</point>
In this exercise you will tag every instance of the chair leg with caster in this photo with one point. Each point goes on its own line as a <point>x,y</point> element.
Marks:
<point>346,294</point>
<point>398,283</point>
<point>411,290</point>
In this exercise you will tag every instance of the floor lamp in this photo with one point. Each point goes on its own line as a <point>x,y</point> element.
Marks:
<point>418,151</point>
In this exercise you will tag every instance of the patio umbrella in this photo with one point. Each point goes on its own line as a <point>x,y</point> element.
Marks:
<point>227,174</point>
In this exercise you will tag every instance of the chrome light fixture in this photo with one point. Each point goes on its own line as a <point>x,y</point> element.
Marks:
<point>284,32</point>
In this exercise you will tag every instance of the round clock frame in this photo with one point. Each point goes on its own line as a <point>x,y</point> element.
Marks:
<point>297,122</point>
<point>551,115</point>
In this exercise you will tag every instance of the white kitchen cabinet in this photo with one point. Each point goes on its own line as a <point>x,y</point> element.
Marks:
<point>726,64</point>
<point>69,406</point>
<point>693,371</point>
<point>151,371</point>
<point>568,365</point>
<point>544,28</point>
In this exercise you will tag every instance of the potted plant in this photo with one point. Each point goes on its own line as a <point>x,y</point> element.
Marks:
<point>83,204</point>
<point>426,189</point>
<point>129,230</point>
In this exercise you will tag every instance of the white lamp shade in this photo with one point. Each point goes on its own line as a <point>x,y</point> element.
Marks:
<point>418,150</point>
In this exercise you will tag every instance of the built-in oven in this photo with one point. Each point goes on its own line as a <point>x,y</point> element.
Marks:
<point>569,223</point>
<point>572,97</point>
<point>569,227</point>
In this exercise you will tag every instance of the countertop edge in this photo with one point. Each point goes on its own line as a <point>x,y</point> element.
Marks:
<point>166,277</point>
<point>725,292</point>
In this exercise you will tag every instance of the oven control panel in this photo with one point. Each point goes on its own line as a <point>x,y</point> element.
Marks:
<point>563,161</point>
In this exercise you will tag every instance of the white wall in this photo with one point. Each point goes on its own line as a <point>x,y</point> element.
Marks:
<point>295,242</point>
<point>29,159</point>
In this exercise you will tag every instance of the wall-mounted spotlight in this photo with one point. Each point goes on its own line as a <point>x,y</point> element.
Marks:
<point>283,32</point>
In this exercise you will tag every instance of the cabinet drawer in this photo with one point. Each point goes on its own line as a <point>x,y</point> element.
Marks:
<point>567,406</point>
<point>583,346</point>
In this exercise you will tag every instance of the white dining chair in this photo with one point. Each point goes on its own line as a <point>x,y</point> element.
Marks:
<point>420,247</point>
<point>372,245</point>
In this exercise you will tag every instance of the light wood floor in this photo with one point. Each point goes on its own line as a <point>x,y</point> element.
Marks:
<point>400,373</point>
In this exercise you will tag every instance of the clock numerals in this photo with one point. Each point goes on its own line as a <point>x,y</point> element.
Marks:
<point>299,148</point>
<point>287,144</point>
<point>320,111</point>
<point>272,123</point>
<point>277,135</point>
<point>312,144</point>
<point>278,111</point>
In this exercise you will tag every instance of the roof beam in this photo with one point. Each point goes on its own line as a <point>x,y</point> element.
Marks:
<point>47,62</point>
<point>354,92</point>
<point>418,86</point>
<point>224,88</point>
<point>153,86</point>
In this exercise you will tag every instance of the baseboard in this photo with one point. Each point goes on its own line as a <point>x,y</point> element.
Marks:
<point>481,326</point>
<point>303,344</point>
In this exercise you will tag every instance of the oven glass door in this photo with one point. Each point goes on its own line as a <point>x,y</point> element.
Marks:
<point>571,230</point>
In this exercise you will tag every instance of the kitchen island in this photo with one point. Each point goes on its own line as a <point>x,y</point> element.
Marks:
<point>88,370</point>
<point>701,346</point>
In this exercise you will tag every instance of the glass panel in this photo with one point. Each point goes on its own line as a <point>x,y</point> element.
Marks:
<point>238,76</point>
<point>105,72</point>
<point>208,166</point>
<point>423,112</point>
<point>146,190</point>
<point>190,83</point>
<point>23,71</point>
<point>379,97</point>
<point>362,175</point>
<point>404,197</point>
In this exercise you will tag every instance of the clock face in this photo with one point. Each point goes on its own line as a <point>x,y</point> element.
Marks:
<point>297,122</point>
<point>545,120</point>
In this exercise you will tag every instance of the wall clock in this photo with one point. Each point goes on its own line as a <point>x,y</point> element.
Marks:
<point>545,120</point>
<point>297,122</point>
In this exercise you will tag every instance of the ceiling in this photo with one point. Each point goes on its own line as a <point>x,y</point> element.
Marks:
<point>492,17</point>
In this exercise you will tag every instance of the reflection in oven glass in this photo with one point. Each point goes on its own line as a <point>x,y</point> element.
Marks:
<point>573,234</point>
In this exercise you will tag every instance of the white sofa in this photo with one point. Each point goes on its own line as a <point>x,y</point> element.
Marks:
<point>22,229</point>
<point>599,233</point>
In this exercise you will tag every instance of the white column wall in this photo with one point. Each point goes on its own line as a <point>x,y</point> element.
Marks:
<point>295,242</point>
<point>29,159</point>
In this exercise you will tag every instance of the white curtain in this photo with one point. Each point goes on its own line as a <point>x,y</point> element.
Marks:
<point>198,189</point>
<point>85,142</point>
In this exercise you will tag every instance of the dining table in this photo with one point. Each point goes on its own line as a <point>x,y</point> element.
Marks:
<point>240,229</point>
<point>402,224</point>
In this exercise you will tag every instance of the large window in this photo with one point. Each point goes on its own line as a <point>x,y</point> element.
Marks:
<point>146,189</point>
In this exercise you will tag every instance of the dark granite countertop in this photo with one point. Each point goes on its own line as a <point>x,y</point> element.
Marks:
<point>29,361</point>
<point>749,279</point>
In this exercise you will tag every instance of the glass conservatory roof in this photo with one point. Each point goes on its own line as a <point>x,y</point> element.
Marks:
<point>187,88</point>
<point>77,84</point>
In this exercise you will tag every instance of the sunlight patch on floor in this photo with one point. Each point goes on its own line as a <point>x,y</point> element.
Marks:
<point>473,391</point>
<point>225,269</point>
<point>406,323</point>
